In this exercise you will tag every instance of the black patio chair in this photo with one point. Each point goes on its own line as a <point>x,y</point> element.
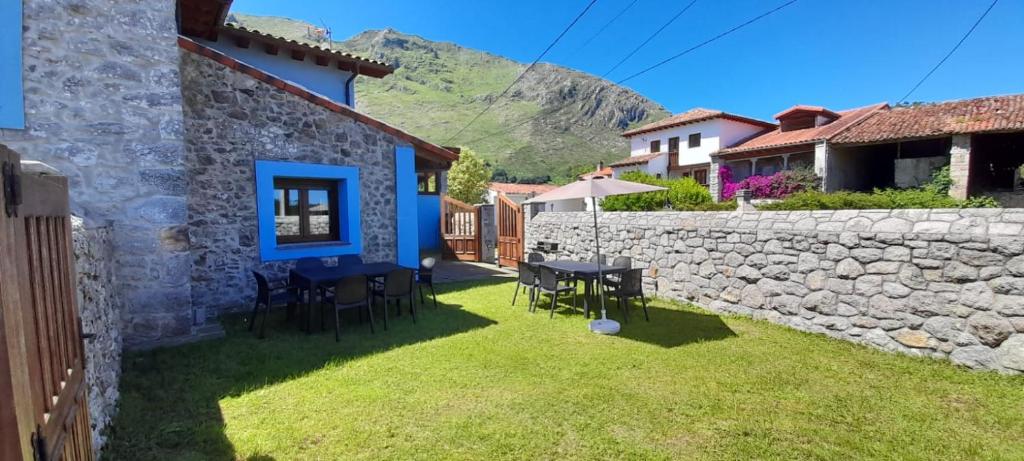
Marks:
<point>527,280</point>
<point>553,285</point>
<point>603,259</point>
<point>425,276</point>
<point>351,292</point>
<point>397,285</point>
<point>631,285</point>
<point>612,280</point>
<point>270,296</point>
<point>349,260</point>
<point>535,258</point>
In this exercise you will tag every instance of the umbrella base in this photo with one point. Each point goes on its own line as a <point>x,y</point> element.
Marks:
<point>604,327</point>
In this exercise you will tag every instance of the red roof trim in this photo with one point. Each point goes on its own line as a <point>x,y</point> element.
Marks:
<point>694,116</point>
<point>232,63</point>
<point>803,108</point>
<point>637,159</point>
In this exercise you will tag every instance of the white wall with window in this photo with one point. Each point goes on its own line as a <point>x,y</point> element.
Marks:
<point>696,141</point>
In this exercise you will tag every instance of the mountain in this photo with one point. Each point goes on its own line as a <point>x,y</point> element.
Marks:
<point>438,87</point>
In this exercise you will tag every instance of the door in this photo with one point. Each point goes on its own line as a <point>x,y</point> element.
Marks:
<point>460,230</point>
<point>510,231</point>
<point>41,347</point>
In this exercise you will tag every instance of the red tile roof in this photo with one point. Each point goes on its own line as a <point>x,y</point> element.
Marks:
<point>606,172</point>
<point>777,138</point>
<point>694,116</point>
<point>346,61</point>
<point>979,115</point>
<point>637,159</point>
<point>803,108</point>
<point>524,189</point>
<point>241,67</point>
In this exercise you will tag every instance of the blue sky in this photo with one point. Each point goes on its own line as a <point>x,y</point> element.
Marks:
<point>839,54</point>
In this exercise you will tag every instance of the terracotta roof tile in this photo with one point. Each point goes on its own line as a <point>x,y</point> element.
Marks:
<point>526,189</point>
<point>637,159</point>
<point>368,67</point>
<point>979,115</point>
<point>693,116</point>
<point>803,108</point>
<point>606,172</point>
<point>322,101</point>
<point>777,138</point>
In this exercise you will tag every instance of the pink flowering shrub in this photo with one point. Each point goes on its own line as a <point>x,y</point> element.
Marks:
<point>778,185</point>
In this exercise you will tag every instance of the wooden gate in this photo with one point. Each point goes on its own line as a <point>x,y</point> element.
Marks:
<point>510,231</point>
<point>45,412</point>
<point>460,230</point>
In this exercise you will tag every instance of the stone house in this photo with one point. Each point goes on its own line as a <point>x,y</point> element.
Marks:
<point>208,150</point>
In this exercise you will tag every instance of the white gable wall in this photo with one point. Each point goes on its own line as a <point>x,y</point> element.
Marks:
<point>715,134</point>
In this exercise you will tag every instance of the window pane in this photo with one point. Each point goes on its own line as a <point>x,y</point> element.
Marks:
<point>319,212</point>
<point>286,212</point>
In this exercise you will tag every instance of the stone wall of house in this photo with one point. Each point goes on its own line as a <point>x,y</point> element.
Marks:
<point>232,120</point>
<point>103,106</point>
<point>942,283</point>
<point>100,308</point>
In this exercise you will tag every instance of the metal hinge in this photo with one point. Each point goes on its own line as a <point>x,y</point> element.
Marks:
<point>12,189</point>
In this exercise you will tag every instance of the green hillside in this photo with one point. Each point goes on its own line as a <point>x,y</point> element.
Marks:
<point>438,87</point>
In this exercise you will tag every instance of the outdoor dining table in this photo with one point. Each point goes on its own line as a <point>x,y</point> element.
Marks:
<point>585,271</point>
<point>312,278</point>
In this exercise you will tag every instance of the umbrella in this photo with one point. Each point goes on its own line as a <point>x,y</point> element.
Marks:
<point>593,188</point>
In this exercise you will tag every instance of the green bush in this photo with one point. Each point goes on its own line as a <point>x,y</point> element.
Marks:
<point>683,194</point>
<point>879,199</point>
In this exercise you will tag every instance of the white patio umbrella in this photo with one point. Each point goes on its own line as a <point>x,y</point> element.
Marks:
<point>593,188</point>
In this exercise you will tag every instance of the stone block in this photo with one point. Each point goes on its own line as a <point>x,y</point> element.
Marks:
<point>989,328</point>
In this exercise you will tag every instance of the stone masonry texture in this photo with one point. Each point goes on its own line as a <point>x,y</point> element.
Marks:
<point>232,120</point>
<point>103,106</point>
<point>100,308</point>
<point>944,283</point>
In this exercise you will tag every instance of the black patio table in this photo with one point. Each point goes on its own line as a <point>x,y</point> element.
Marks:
<point>315,277</point>
<point>585,271</point>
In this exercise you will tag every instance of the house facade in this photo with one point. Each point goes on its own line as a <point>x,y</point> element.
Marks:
<point>682,145</point>
<point>209,150</point>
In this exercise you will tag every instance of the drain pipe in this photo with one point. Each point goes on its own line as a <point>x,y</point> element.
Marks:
<point>350,91</point>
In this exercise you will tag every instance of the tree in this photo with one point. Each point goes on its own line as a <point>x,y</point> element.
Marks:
<point>469,177</point>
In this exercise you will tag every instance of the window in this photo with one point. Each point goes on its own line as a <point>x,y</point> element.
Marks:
<point>694,140</point>
<point>305,210</point>
<point>701,176</point>
<point>12,105</point>
<point>655,146</point>
<point>426,182</point>
<point>673,144</point>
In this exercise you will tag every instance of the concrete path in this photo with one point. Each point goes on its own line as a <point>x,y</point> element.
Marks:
<point>458,271</point>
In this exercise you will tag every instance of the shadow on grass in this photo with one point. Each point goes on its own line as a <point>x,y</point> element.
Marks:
<point>667,327</point>
<point>170,398</point>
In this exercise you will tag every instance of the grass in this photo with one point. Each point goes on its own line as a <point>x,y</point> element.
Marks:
<point>479,379</point>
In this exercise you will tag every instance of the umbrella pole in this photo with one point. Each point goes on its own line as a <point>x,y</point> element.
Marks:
<point>601,326</point>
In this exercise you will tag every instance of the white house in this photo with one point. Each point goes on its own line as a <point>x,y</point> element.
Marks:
<point>519,193</point>
<point>681,145</point>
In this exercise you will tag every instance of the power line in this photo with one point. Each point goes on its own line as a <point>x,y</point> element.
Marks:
<point>684,52</point>
<point>708,41</point>
<point>651,37</point>
<point>521,75</point>
<point>943,60</point>
<point>605,26</point>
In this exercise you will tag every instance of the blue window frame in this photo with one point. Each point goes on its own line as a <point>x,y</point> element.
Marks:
<point>12,105</point>
<point>346,185</point>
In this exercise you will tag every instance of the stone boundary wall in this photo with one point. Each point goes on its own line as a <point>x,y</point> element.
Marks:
<point>945,283</point>
<point>100,309</point>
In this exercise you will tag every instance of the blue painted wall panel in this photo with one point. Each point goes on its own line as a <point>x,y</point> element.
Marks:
<point>348,201</point>
<point>12,100</point>
<point>325,80</point>
<point>406,200</point>
<point>430,222</point>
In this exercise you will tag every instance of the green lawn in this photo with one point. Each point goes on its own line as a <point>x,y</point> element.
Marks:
<point>479,379</point>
